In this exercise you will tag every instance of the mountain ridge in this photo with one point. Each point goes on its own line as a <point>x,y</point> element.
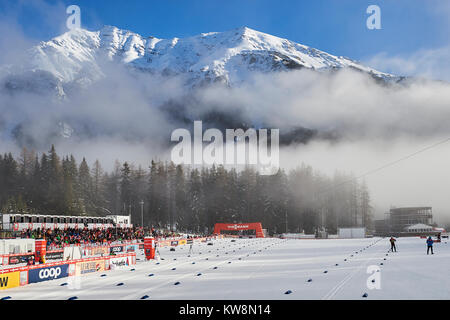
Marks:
<point>228,57</point>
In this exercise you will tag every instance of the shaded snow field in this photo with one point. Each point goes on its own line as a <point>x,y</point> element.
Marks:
<point>266,269</point>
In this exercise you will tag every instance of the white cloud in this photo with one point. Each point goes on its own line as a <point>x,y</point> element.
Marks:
<point>428,63</point>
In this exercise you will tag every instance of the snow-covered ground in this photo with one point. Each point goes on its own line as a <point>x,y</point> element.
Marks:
<point>266,269</point>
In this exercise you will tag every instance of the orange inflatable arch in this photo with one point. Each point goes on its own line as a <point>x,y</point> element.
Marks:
<point>218,227</point>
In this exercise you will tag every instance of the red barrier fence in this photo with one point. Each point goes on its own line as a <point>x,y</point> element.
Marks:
<point>183,241</point>
<point>14,277</point>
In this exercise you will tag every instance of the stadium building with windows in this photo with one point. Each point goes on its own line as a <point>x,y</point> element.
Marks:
<point>407,221</point>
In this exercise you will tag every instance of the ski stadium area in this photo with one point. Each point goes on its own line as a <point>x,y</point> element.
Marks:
<point>263,268</point>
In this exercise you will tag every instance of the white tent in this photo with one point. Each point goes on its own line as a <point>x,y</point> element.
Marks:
<point>419,227</point>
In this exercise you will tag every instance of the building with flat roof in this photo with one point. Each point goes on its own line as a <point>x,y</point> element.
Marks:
<point>401,218</point>
<point>402,221</point>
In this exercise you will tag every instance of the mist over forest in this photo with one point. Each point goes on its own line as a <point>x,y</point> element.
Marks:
<point>188,199</point>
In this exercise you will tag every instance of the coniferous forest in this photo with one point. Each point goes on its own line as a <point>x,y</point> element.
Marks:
<point>301,200</point>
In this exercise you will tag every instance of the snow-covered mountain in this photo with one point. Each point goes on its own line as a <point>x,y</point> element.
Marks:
<point>76,57</point>
<point>71,62</point>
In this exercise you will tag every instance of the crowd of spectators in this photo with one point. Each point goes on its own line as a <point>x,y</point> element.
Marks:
<point>60,237</point>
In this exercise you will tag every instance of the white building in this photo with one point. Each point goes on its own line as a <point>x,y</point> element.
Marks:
<point>121,221</point>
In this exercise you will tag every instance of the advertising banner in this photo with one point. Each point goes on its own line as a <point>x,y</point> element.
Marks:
<point>48,273</point>
<point>163,243</point>
<point>72,269</point>
<point>94,251</point>
<point>17,259</point>
<point>9,280</point>
<point>116,249</point>
<point>119,263</point>
<point>181,242</point>
<point>55,255</point>
<point>132,248</point>
<point>189,241</point>
<point>106,264</point>
<point>174,243</point>
<point>23,277</point>
<point>90,266</point>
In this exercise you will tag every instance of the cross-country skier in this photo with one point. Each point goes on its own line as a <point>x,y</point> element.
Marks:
<point>392,241</point>
<point>430,245</point>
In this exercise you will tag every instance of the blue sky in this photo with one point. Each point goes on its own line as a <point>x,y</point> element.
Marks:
<point>335,26</point>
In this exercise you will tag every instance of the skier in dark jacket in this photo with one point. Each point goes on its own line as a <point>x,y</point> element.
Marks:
<point>392,241</point>
<point>430,245</point>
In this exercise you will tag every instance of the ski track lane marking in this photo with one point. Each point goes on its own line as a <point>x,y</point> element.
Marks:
<point>160,267</point>
<point>339,286</point>
<point>230,292</point>
<point>120,276</point>
<point>169,282</point>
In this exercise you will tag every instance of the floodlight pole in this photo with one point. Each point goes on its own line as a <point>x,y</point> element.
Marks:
<point>142,212</point>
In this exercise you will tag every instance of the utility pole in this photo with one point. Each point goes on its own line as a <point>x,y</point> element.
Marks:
<point>142,212</point>
<point>286,221</point>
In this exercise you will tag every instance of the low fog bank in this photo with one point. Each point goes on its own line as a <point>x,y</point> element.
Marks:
<point>421,180</point>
